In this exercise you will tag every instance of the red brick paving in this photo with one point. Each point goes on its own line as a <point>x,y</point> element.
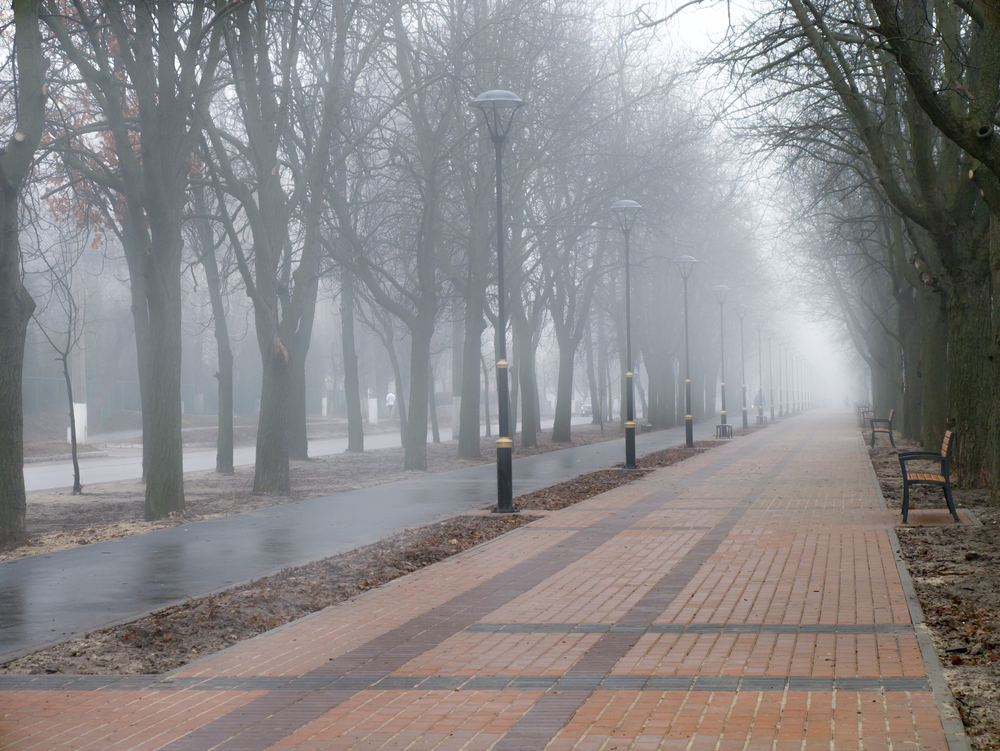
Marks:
<point>764,565</point>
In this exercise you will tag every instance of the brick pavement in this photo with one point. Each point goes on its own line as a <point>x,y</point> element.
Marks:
<point>747,598</point>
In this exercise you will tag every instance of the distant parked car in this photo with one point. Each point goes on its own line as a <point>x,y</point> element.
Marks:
<point>585,409</point>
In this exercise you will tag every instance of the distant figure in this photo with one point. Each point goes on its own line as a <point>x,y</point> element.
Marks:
<point>390,401</point>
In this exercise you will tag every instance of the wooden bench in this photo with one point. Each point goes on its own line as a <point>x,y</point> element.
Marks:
<point>866,415</point>
<point>724,430</point>
<point>925,478</point>
<point>888,429</point>
<point>762,419</point>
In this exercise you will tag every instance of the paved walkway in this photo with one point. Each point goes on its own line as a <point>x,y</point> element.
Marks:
<point>747,598</point>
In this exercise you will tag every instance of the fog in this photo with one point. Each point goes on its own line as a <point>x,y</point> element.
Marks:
<point>305,243</point>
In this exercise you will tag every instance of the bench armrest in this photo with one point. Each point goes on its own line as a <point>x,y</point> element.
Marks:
<point>906,456</point>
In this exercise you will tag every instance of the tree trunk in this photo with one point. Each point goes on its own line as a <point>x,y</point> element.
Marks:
<point>397,374</point>
<point>165,468</point>
<point>77,487</point>
<point>561,426</point>
<point>472,346</point>
<point>352,388</point>
<point>909,334</point>
<point>272,473</point>
<point>933,366</point>
<point>486,396</point>
<point>415,453</point>
<point>224,442</point>
<point>530,422</point>
<point>16,307</point>
<point>432,396</point>
<point>595,391</point>
<point>298,439</point>
<point>971,384</point>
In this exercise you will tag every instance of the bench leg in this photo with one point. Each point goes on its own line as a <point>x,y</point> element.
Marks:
<point>891,439</point>
<point>906,500</point>
<point>951,503</point>
<point>873,437</point>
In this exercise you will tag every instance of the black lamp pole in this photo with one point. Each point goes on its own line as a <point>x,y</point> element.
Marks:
<point>781,394</point>
<point>625,213</point>
<point>760,374</point>
<point>498,108</point>
<point>770,371</point>
<point>720,293</point>
<point>741,311</point>
<point>685,264</point>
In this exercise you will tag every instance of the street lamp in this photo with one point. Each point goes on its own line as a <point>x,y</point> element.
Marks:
<point>781,393</point>
<point>795,393</point>
<point>770,372</point>
<point>685,264</point>
<point>720,294</point>
<point>741,311</point>
<point>498,108</point>
<point>625,213</point>
<point>760,374</point>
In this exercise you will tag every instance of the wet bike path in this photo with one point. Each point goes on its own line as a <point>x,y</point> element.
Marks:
<point>747,598</point>
<point>51,597</point>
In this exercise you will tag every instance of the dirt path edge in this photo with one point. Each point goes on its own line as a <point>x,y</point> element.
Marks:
<point>954,728</point>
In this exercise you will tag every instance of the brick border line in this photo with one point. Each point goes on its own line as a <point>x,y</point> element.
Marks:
<point>398,646</point>
<point>348,686</point>
<point>540,724</point>
<point>954,728</point>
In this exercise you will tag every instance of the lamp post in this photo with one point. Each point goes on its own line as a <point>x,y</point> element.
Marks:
<point>625,213</point>
<point>770,371</point>
<point>720,294</point>
<point>781,393</point>
<point>498,108</point>
<point>760,374</point>
<point>741,311</point>
<point>795,391</point>
<point>685,264</point>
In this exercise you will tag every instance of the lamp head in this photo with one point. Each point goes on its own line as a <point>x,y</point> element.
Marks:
<point>685,264</point>
<point>760,325</point>
<point>625,213</point>
<point>741,311</point>
<point>769,333</point>
<point>498,108</point>
<point>721,291</point>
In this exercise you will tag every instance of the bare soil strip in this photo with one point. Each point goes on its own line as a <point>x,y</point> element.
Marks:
<point>956,573</point>
<point>174,636</point>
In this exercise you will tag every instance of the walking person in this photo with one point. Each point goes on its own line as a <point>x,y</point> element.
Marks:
<point>390,401</point>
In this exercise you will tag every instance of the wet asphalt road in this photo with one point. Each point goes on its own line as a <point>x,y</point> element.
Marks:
<point>48,598</point>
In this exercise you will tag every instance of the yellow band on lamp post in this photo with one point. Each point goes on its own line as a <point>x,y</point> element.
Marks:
<point>505,443</point>
<point>629,425</point>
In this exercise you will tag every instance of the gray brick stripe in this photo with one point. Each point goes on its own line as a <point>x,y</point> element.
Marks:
<point>293,690</point>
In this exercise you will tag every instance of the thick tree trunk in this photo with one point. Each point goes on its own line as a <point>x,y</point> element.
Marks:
<point>165,468</point>
<point>352,388</point>
<point>472,346</point>
<point>971,384</point>
<point>561,426</point>
<point>298,439</point>
<point>16,307</point>
<point>933,366</point>
<point>272,473</point>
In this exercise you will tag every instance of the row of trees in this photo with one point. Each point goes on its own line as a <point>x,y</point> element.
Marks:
<point>269,146</point>
<point>886,115</point>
